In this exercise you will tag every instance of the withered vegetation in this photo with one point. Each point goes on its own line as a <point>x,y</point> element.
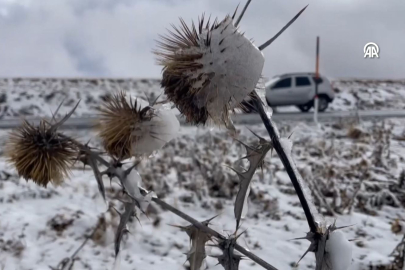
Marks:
<point>41,154</point>
<point>119,120</point>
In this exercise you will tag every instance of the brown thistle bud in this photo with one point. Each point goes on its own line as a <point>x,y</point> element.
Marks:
<point>129,128</point>
<point>41,153</point>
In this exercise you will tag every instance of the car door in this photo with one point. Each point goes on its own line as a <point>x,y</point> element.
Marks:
<point>278,94</point>
<point>301,90</point>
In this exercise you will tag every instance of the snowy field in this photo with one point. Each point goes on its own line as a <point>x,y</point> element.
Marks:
<point>40,97</point>
<point>356,169</point>
<point>355,172</point>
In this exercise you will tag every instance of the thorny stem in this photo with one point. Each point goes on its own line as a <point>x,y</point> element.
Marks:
<point>96,156</point>
<point>286,162</point>
<point>179,213</point>
<point>214,233</point>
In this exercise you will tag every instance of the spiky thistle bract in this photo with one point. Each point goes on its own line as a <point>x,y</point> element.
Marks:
<point>128,127</point>
<point>119,118</point>
<point>40,154</point>
<point>209,69</point>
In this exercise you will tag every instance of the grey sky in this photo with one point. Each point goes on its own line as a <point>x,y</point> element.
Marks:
<point>114,38</point>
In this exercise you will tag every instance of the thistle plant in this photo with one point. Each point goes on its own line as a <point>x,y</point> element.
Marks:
<point>208,70</point>
<point>129,127</point>
<point>41,154</point>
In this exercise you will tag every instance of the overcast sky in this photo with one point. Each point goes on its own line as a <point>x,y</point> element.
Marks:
<point>114,38</point>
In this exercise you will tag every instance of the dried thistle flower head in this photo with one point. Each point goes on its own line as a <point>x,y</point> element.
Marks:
<point>130,127</point>
<point>40,153</point>
<point>209,69</point>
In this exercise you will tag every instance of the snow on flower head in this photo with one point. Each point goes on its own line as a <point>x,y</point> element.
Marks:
<point>41,154</point>
<point>131,127</point>
<point>208,69</point>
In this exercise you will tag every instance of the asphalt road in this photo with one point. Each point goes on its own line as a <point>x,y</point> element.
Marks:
<point>243,119</point>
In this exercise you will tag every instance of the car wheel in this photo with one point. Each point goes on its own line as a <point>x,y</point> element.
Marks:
<point>304,108</point>
<point>322,104</point>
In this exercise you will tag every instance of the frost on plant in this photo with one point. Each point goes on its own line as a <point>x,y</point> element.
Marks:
<point>130,181</point>
<point>210,68</point>
<point>332,250</point>
<point>129,128</point>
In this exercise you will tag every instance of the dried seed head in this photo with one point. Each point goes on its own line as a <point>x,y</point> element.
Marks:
<point>208,70</point>
<point>119,117</point>
<point>40,153</point>
<point>130,127</point>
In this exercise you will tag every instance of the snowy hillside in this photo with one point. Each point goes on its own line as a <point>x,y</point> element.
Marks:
<point>355,172</point>
<point>39,97</point>
<point>368,95</point>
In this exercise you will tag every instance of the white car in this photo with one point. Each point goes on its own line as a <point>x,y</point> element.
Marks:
<point>298,89</point>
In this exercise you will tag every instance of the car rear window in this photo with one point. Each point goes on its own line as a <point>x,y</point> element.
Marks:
<point>284,83</point>
<point>302,81</point>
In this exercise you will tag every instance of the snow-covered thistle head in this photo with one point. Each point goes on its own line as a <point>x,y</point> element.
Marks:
<point>130,127</point>
<point>209,69</point>
<point>41,153</point>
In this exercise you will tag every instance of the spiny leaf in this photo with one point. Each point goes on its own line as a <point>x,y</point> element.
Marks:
<point>228,259</point>
<point>98,176</point>
<point>255,156</point>
<point>122,226</point>
<point>198,239</point>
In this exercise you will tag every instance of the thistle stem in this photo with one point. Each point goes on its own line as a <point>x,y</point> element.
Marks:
<point>183,215</point>
<point>284,159</point>
<point>214,233</point>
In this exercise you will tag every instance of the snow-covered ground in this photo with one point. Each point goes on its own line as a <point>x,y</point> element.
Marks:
<point>39,227</point>
<point>40,97</point>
